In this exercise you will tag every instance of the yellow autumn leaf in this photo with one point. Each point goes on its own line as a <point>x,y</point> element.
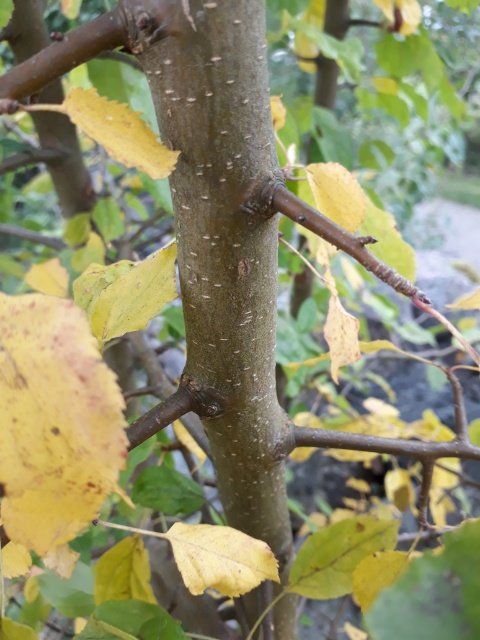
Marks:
<point>310,362</point>
<point>123,573</point>
<point>188,442</point>
<point>31,589</point>
<point>220,558</point>
<point>440,506</point>
<point>62,560</point>
<point>325,563</point>
<point>375,573</point>
<point>399,488</point>
<point>11,630</point>
<point>314,522</point>
<point>468,301</point>
<point>279,113</point>
<point>385,85</point>
<point>391,248</point>
<point>410,10</point>
<point>71,8</point>
<point>16,560</point>
<point>358,484</point>
<point>121,131</point>
<point>337,194</point>
<point>305,419</point>
<point>304,46</point>
<point>48,277</point>
<point>354,633</point>
<point>57,393</point>
<point>380,408</point>
<point>341,335</point>
<point>372,425</point>
<point>125,296</point>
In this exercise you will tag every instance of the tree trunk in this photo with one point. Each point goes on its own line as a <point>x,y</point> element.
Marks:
<point>326,84</point>
<point>210,89</point>
<point>27,34</point>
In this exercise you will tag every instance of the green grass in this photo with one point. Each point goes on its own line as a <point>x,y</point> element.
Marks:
<point>464,189</point>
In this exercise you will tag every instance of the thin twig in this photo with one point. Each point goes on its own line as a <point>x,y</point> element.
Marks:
<point>326,438</point>
<point>464,479</point>
<point>427,475</point>
<point>142,391</point>
<point>315,272</point>
<point>297,210</point>
<point>26,158</point>
<point>461,423</point>
<point>426,308</point>
<point>31,236</point>
<point>173,408</point>
<point>360,22</point>
<point>118,56</point>
<point>158,379</point>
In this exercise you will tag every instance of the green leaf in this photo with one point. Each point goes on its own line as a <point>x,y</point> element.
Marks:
<point>125,296</point>
<point>92,252</point>
<point>6,9</point>
<point>73,597</point>
<point>376,154</point>
<point>119,81</point>
<point>109,219</point>
<point>307,316</point>
<point>326,561</point>
<point>135,618</point>
<point>168,491</point>
<point>437,597</point>
<point>77,229</point>
<point>129,563</point>
<point>10,630</point>
<point>333,138</point>
<point>467,6</point>
<point>391,247</point>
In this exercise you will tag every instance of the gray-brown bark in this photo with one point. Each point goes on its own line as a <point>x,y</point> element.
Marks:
<point>27,35</point>
<point>210,88</point>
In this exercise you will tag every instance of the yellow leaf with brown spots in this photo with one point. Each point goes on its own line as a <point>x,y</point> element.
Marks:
<point>375,573</point>
<point>121,131</point>
<point>62,432</point>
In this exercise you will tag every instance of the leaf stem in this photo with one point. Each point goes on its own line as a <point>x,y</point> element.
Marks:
<point>264,613</point>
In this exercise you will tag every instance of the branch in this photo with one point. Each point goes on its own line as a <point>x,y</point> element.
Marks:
<point>461,422</point>
<point>294,208</point>
<point>427,477</point>
<point>164,388</point>
<point>32,236</point>
<point>132,25</point>
<point>324,438</point>
<point>360,22</point>
<point>163,414</point>
<point>19,160</point>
